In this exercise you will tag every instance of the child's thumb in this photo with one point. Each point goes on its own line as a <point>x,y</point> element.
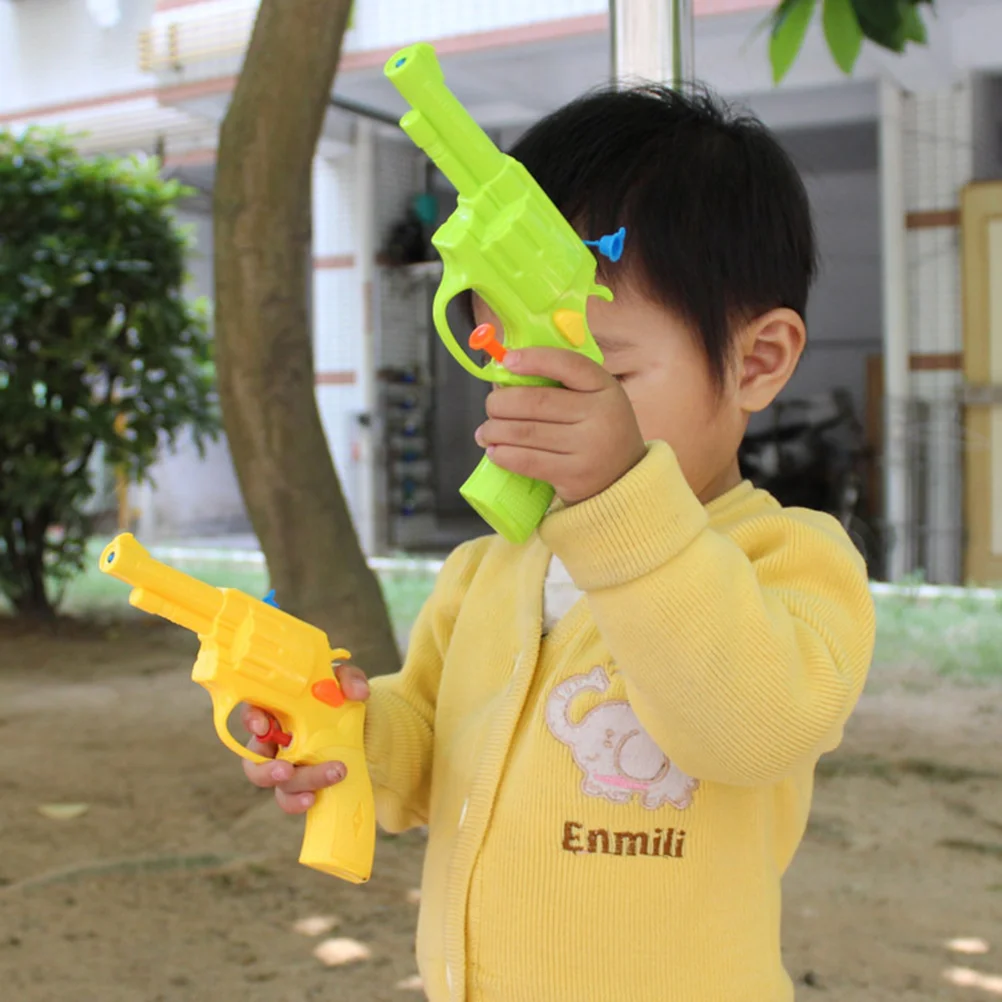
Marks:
<point>353,682</point>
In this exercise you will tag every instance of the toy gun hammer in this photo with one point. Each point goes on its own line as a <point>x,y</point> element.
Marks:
<point>509,243</point>
<point>254,652</point>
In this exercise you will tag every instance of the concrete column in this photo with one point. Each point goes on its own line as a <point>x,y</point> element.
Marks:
<point>652,40</point>
<point>895,304</point>
<point>339,328</point>
<point>371,518</point>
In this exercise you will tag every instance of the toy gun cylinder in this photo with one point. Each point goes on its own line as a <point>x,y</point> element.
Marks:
<point>439,124</point>
<point>159,589</point>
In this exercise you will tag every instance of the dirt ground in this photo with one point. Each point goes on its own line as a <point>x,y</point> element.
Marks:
<point>179,882</point>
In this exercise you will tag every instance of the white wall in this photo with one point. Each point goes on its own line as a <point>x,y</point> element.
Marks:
<point>844,321</point>
<point>338,316</point>
<point>399,22</point>
<point>52,51</point>
<point>192,496</point>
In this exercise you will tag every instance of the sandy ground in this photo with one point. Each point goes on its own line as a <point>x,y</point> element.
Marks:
<point>179,882</point>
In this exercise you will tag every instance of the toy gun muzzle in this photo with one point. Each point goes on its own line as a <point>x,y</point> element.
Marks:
<point>439,124</point>
<point>161,590</point>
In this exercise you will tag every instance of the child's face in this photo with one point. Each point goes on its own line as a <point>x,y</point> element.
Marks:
<point>665,375</point>
<point>661,367</point>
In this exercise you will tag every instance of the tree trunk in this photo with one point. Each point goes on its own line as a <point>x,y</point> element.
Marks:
<point>263,232</point>
<point>30,597</point>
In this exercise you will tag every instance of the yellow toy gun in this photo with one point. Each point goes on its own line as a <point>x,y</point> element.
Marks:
<point>254,652</point>
<point>508,242</point>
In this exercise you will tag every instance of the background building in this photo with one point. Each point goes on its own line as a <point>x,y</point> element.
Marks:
<point>886,156</point>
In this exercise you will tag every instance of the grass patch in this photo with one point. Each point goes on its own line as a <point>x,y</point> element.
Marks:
<point>949,636</point>
<point>94,594</point>
<point>952,637</point>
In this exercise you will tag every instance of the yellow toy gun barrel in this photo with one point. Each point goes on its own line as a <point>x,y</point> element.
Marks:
<point>256,653</point>
<point>161,590</point>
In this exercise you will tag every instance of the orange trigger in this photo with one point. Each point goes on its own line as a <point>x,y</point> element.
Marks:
<point>328,691</point>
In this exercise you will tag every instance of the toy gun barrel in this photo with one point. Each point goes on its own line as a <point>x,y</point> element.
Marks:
<point>439,124</point>
<point>159,589</point>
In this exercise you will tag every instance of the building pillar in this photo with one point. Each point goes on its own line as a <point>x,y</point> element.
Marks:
<point>371,516</point>
<point>652,40</point>
<point>938,161</point>
<point>340,323</point>
<point>896,333</point>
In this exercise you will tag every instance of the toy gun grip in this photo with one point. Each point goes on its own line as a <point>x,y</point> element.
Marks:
<point>509,503</point>
<point>340,834</point>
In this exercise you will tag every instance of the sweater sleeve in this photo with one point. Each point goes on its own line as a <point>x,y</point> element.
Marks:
<point>400,712</point>
<point>744,651</point>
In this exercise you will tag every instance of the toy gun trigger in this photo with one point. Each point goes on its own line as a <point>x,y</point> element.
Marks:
<point>223,704</point>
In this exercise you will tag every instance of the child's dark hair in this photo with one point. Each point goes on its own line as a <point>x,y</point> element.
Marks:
<point>718,223</point>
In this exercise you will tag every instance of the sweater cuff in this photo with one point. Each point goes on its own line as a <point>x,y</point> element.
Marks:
<point>642,521</point>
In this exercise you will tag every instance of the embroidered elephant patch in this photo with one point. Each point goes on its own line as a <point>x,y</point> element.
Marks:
<point>615,753</point>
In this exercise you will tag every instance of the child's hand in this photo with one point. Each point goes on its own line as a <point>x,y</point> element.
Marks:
<point>581,436</point>
<point>295,786</point>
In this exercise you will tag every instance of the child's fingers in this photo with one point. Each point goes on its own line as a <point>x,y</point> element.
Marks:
<point>299,793</point>
<point>255,721</point>
<point>553,438</point>
<point>267,774</point>
<point>552,404</point>
<point>295,803</point>
<point>569,368</point>
<point>309,778</point>
<point>352,681</point>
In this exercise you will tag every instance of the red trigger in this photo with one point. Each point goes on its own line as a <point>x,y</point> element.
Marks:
<point>275,735</point>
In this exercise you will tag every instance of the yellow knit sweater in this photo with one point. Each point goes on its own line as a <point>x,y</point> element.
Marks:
<point>610,808</point>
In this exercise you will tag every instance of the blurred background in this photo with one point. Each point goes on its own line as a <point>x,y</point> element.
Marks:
<point>135,864</point>
<point>157,78</point>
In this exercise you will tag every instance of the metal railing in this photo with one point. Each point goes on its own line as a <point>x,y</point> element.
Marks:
<point>177,44</point>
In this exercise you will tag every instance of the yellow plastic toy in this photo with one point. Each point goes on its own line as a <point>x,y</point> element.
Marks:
<point>253,652</point>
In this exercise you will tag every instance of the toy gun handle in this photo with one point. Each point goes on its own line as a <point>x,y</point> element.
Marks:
<point>341,826</point>
<point>509,503</point>
<point>340,834</point>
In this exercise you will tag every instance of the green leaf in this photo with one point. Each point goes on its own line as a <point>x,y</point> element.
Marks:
<point>843,33</point>
<point>914,27</point>
<point>882,21</point>
<point>792,21</point>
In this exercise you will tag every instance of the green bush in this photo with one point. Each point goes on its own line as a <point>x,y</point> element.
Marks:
<point>94,330</point>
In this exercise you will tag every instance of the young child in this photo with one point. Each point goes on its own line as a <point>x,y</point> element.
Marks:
<point>611,731</point>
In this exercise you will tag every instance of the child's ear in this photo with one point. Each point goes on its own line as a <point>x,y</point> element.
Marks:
<point>771,346</point>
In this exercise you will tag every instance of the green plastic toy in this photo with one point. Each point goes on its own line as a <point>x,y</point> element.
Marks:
<point>508,242</point>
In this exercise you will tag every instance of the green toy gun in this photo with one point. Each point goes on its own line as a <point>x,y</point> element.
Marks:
<point>509,243</point>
